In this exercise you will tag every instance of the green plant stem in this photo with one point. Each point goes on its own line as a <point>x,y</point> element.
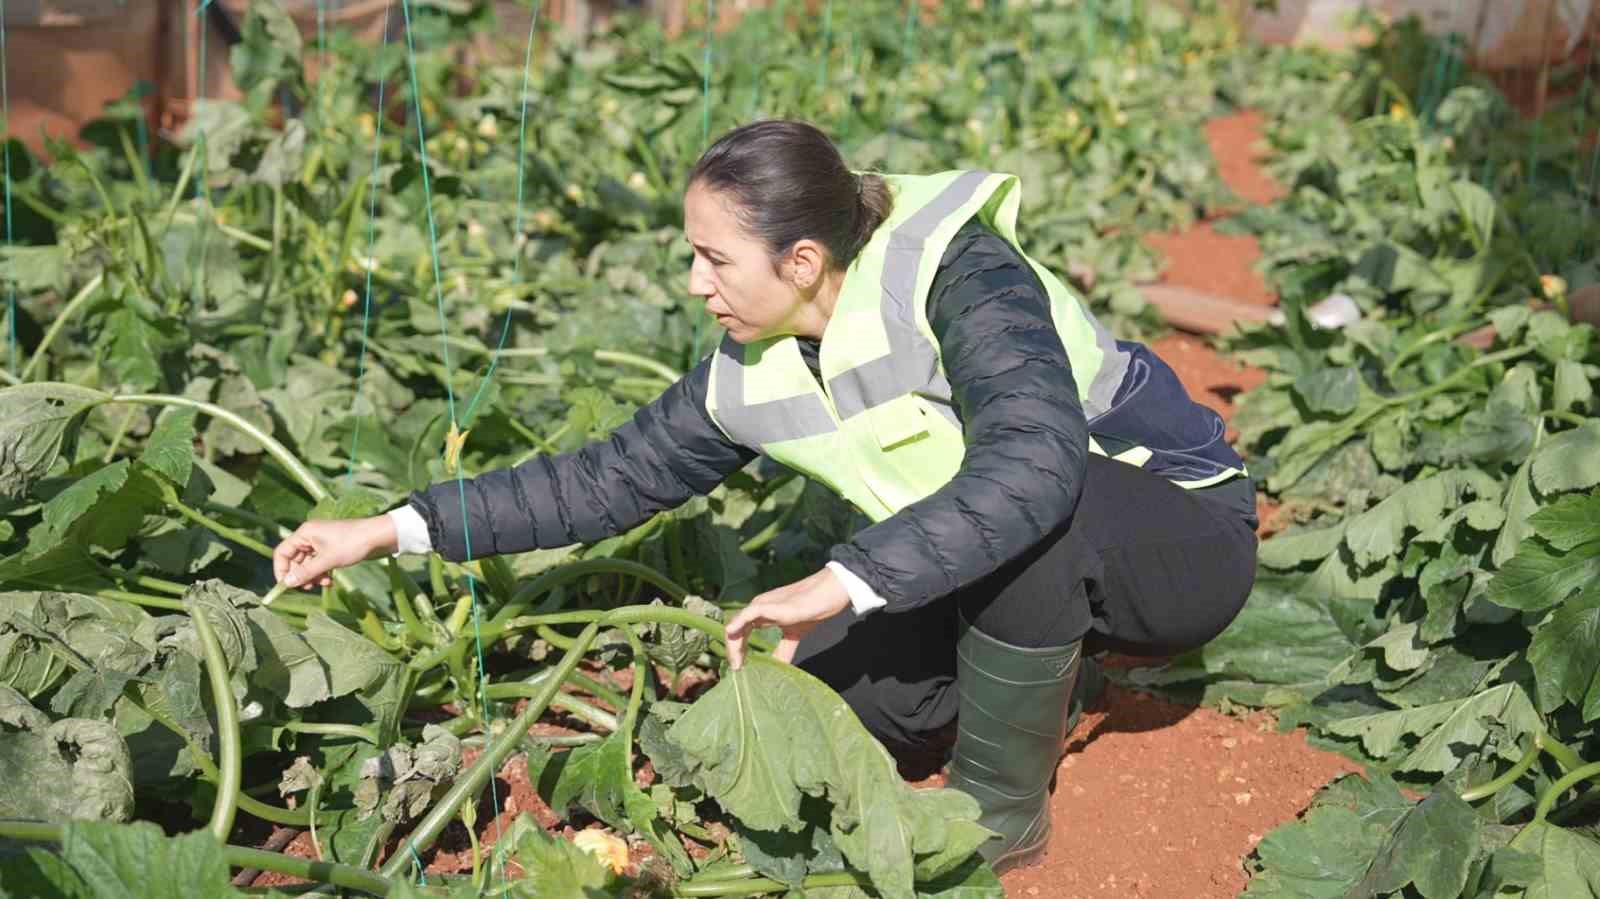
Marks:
<point>1485,790</point>
<point>346,876</point>
<point>1568,757</point>
<point>1560,787</point>
<point>771,531</point>
<point>636,361</point>
<point>273,448</point>
<point>66,314</point>
<point>1571,418</point>
<point>217,527</point>
<point>231,763</point>
<point>400,592</point>
<point>755,886</point>
<point>180,188</point>
<point>144,580</point>
<point>142,599</point>
<point>495,628</point>
<point>260,521</point>
<point>469,785</point>
<point>366,734</point>
<point>1432,337</point>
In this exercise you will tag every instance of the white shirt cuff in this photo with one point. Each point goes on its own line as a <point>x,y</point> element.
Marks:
<point>411,532</point>
<point>862,597</point>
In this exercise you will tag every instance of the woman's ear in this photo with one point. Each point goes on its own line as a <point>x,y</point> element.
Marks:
<point>805,264</point>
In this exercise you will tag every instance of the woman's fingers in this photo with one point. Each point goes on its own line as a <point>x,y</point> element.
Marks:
<point>738,628</point>
<point>288,553</point>
<point>786,648</point>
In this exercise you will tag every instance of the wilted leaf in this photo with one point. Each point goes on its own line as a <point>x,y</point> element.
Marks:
<point>72,768</point>
<point>36,422</point>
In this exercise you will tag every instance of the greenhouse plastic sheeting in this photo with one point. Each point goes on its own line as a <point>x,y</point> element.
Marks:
<point>1501,34</point>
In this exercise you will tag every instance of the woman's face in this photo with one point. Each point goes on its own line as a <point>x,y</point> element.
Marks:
<point>734,272</point>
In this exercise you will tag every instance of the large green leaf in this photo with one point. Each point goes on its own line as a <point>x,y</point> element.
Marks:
<point>138,859</point>
<point>1570,521</point>
<point>1444,728</point>
<point>1569,461</point>
<point>1569,863</point>
<point>289,666</point>
<point>357,665</point>
<point>1324,854</point>
<point>36,422</point>
<point>1377,533</point>
<point>1564,655</point>
<point>769,734</point>
<point>170,450</point>
<point>1432,848</point>
<point>1541,576</point>
<point>1287,636</point>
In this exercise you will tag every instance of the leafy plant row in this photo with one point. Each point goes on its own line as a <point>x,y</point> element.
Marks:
<point>1432,607</point>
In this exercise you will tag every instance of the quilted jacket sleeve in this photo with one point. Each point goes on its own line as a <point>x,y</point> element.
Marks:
<point>1027,439</point>
<point>668,453</point>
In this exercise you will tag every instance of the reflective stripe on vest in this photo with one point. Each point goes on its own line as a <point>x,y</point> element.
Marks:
<point>884,434</point>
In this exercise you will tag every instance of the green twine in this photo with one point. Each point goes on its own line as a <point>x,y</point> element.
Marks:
<point>202,179</point>
<point>516,260</point>
<point>371,261</point>
<point>416,860</point>
<point>5,115</point>
<point>705,80</point>
<point>705,141</point>
<point>450,393</point>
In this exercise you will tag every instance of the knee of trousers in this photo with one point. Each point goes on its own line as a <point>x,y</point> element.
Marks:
<point>902,714</point>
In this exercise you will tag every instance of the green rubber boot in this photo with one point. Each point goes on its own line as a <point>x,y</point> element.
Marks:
<point>1091,683</point>
<point>1012,726</point>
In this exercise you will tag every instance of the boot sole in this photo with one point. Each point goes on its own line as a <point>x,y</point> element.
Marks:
<point>1022,858</point>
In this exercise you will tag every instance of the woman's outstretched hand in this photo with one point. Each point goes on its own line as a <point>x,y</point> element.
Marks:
<point>306,557</point>
<point>797,608</point>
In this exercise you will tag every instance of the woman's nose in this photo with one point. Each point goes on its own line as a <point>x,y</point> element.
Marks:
<point>699,281</point>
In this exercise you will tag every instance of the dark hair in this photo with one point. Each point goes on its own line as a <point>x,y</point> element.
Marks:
<point>788,183</point>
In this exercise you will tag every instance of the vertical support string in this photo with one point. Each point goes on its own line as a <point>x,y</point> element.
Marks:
<point>371,260</point>
<point>698,331</point>
<point>202,167</point>
<point>450,393</point>
<point>5,115</point>
<point>516,234</point>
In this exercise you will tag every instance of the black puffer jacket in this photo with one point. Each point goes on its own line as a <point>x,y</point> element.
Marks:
<point>1013,389</point>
